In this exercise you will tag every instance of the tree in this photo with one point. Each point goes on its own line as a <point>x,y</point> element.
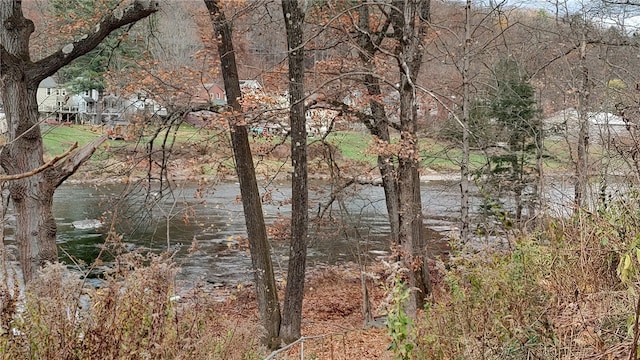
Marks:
<point>289,329</point>
<point>582,162</point>
<point>19,77</point>
<point>378,125</point>
<point>514,109</point>
<point>266,290</point>
<point>389,32</point>
<point>466,121</point>
<point>409,19</point>
<point>294,15</point>
<point>88,72</point>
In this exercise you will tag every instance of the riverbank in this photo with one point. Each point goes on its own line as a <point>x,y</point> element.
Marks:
<point>333,325</point>
<point>555,294</point>
<point>194,154</point>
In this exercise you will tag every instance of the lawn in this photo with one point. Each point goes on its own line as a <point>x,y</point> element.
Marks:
<point>57,139</point>
<point>353,145</point>
<point>441,157</point>
<point>436,155</point>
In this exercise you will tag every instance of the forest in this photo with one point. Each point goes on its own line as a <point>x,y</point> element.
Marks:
<point>521,117</point>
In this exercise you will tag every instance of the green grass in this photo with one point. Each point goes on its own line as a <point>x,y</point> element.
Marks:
<point>353,145</point>
<point>186,133</point>
<point>438,156</point>
<point>557,155</point>
<point>435,154</point>
<point>57,139</point>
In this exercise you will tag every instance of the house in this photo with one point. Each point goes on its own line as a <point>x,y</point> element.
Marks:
<point>125,107</point>
<point>84,103</point>
<point>215,94</point>
<point>148,105</point>
<point>250,86</point>
<point>54,99</point>
<point>212,93</point>
<point>602,125</point>
<point>51,96</point>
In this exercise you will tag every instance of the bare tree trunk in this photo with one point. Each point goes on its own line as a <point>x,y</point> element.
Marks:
<point>409,19</point>
<point>583,132</point>
<point>294,292</point>
<point>32,196</point>
<point>378,126</point>
<point>19,79</point>
<point>266,290</point>
<point>464,165</point>
<point>390,186</point>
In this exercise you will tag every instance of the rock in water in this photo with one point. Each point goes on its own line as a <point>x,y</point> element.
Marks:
<point>87,224</point>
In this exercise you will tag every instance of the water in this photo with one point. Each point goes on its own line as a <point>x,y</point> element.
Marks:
<point>213,217</point>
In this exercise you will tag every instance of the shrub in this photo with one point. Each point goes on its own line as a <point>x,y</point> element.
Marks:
<point>566,291</point>
<point>135,315</point>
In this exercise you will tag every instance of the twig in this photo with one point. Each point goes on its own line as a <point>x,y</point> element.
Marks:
<point>302,339</point>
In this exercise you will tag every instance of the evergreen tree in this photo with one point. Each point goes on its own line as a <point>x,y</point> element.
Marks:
<point>117,51</point>
<point>513,108</point>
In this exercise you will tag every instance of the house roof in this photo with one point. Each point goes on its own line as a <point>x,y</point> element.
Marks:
<point>48,83</point>
<point>604,118</point>
<point>250,84</point>
<point>571,115</point>
<point>213,86</point>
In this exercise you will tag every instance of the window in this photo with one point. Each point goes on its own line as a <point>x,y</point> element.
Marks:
<point>48,91</point>
<point>86,93</point>
<point>57,91</point>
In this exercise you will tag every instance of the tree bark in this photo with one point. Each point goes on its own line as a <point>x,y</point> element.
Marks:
<point>19,79</point>
<point>378,126</point>
<point>583,131</point>
<point>466,114</point>
<point>409,19</point>
<point>292,308</point>
<point>266,290</point>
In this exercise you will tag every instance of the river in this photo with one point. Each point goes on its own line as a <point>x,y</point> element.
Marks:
<point>213,217</point>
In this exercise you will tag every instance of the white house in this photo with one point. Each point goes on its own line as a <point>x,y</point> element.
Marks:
<point>250,86</point>
<point>602,125</point>
<point>51,96</point>
<point>141,103</point>
<point>83,103</point>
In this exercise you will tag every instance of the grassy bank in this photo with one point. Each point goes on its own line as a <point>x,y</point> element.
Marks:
<point>356,150</point>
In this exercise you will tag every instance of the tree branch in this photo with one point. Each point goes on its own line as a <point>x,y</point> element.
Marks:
<point>40,169</point>
<point>61,172</point>
<point>137,10</point>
